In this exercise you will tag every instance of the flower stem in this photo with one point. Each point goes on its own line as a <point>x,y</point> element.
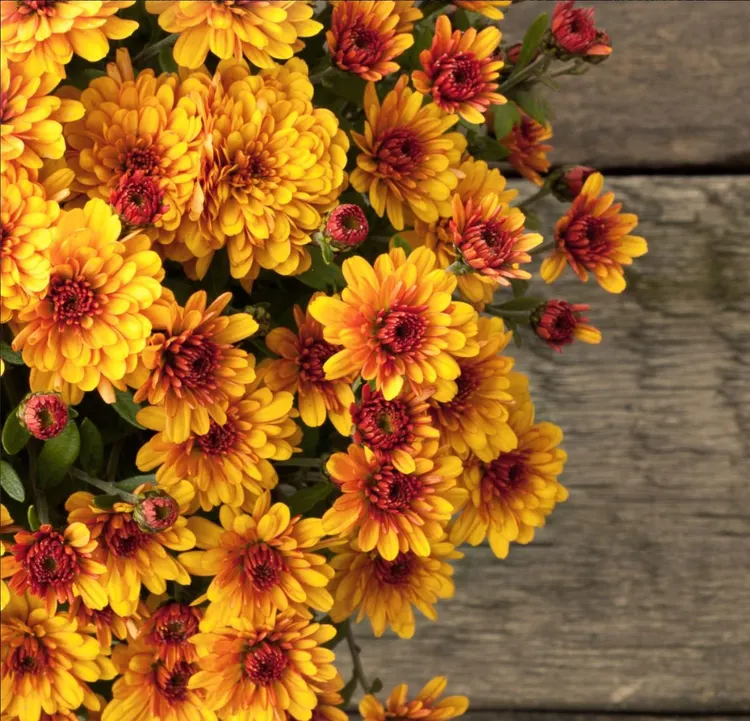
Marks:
<point>539,66</point>
<point>543,248</point>
<point>40,500</point>
<point>319,77</point>
<point>301,462</point>
<point>522,315</point>
<point>543,192</point>
<point>109,488</point>
<point>150,50</point>
<point>359,670</point>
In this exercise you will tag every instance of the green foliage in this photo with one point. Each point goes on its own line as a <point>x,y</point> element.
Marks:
<point>531,42</point>
<point>58,454</point>
<point>322,275</point>
<point>130,484</point>
<point>9,355</point>
<point>306,498</point>
<point>15,436</point>
<point>126,407</point>
<point>92,448</point>
<point>11,483</point>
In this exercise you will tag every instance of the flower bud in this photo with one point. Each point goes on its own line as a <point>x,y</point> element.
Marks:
<point>573,32</point>
<point>559,323</point>
<point>568,185</point>
<point>347,226</point>
<point>138,199</point>
<point>262,316</point>
<point>156,512</point>
<point>44,414</point>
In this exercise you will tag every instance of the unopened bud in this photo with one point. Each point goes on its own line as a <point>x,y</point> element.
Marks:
<point>138,199</point>
<point>260,312</point>
<point>558,323</point>
<point>569,183</point>
<point>156,512</point>
<point>347,226</point>
<point>44,415</point>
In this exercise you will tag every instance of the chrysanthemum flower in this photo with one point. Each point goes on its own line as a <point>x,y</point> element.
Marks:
<point>477,181</point>
<point>396,431</point>
<point>460,71</point>
<point>559,323</point>
<point>489,8</point>
<point>31,117</point>
<point>90,327</point>
<point>363,38</point>
<point>594,237</point>
<point>168,632</point>
<point>133,556</point>
<point>233,458</point>
<point>47,662</point>
<point>513,494</point>
<point>330,701</point>
<point>527,152</point>
<point>300,371</point>
<point>395,319</point>
<point>386,591</point>
<point>56,567</point>
<point>193,369</point>
<point>425,707</point>
<point>407,161</point>
<point>262,31</point>
<point>255,673</point>
<point>106,623</point>
<point>392,511</point>
<point>261,563</point>
<point>472,410</point>
<point>6,526</point>
<point>44,34</point>
<point>574,31</point>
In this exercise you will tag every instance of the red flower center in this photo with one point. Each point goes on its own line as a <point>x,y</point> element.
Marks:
<point>42,7</point>
<point>173,684</point>
<point>399,152</point>
<point>190,362</point>
<point>587,239</point>
<point>312,356</point>
<point>122,536</point>
<point>29,659</point>
<point>48,561</point>
<point>401,329</point>
<point>392,491</point>
<point>138,199</point>
<point>6,233</point>
<point>263,565</point>
<point>265,663</point>
<point>174,624</point>
<point>506,473</point>
<point>72,300</point>
<point>219,440</point>
<point>467,383</point>
<point>143,159</point>
<point>458,78</point>
<point>382,425</point>
<point>396,572</point>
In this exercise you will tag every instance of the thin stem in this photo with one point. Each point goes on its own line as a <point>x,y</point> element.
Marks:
<point>319,77</point>
<point>543,192</point>
<point>40,500</point>
<point>359,670</point>
<point>109,488</point>
<point>114,457</point>
<point>509,314</point>
<point>539,65</point>
<point>150,50</point>
<point>543,248</point>
<point>301,462</point>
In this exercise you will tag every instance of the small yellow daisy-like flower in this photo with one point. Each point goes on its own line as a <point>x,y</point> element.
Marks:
<point>489,8</point>
<point>395,319</point>
<point>425,707</point>
<point>392,511</point>
<point>255,673</point>
<point>513,494</point>
<point>408,159</point>
<point>527,152</point>
<point>134,556</point>
<point>47,662</point>
<point>386,591</point>
<point>90,327</point>
<point>299,370</point>
<point>263,31</point>
<point>594,237</point>
<point>261,563</point>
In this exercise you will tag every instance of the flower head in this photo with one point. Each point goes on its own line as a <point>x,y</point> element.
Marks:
<point>459,70</point>
<point>6,526</point>
<point>385,591</point>
<point>570,183</point>
<point>489,8</point>
<point>425,707</point>
<point>365,37</point>
<point>44,415</point>
<point>527,152</point>
<point>138,199</point>
<point>559,323</point>
<point>168,633</point>
<point>407,158</point>
<point>392,511</point>
<point>395,319</point>
<point>594,237</point>
<point>253,673</point>
<point>347,226</point>
<point>105,622</point>
<point>574,31</point>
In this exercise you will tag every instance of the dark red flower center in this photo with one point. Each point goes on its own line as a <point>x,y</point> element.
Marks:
<point>72,300</point>
<point>263,565</point>
<point>358,47</point>
<point>265,663</point>
<point>42,7</point>
<point>312,356</point>
<point>219,440</point>
<point>174,624</point>
<point>392,491</point>
<point>382,425</point>
<point>190,362</point>
<point>576,30</point>
<point>399,152</point>
<point>29,659</point>
<point>506,473</point>
<point>396,572</point>
<point>587,239</point>
<point>173,683</point>
<point>122,536</point>
<point>144,159</point>
<point>48,561</point>
<point>401,329</point>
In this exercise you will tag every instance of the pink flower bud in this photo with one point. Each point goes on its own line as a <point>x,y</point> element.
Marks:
<point>156,512</point>
<point>347,226</point>
<point>44,415</point>
<point>559,323</point>
<point>138,199</point>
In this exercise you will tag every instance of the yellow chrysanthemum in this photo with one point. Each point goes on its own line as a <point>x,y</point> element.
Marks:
<point>90,327</point>
<point>47,662</point>
<point>407,161</point>
<point>477,181</point>
<point>134,556</point>
<point>489,8</point>
<point>260,30</point>
<point>514,493</point>
<point>6,526</point>
<point>31,127</point>
<point>385,591</point>
<point>106,623</point>
<point>258,673</point>
<point>425,707</point>
<point>395,319</point>
<point>233,459</point>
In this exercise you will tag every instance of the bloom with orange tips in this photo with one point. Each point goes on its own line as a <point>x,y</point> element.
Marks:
<point>363,38</point>
<point>392,511</point>
<point>489,8</point>
<point>490,238</point>
<point>527,152</point>
<point>106,623</point>
<point>397,319</point>
<point>256,673</point>
<point>193,369</point>
<point>425,706</point>
<point>408,159</point>
<point>594,237</point>
<point>460,71</point>
<point>299,371</point>
<point>261,563</point>
<point>168,632</point>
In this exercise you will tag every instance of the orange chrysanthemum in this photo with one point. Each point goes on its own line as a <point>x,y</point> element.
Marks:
<point>261,563</point>
<point>489,8</point>
<point>395,319</point>
<point>168,632</point>
<point>192,368</point>
<point>407,161</point>
<point>44,34</point>
<point>364,37</point>
<point>47,662</point>
<point>134,556</point>
<point>261,30</point>
<point>594,237</point>
<point>300,371</point>
<point>527,152</point>
<point>425,707</point>
<point>460,70</point>
<point>6,526</point>
<point>256,673</point>
<point>392,511</point>
<point>490,238</point>
<point>386,591</point>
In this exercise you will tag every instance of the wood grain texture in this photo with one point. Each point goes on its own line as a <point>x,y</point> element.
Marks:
<point>565,716</point>
<point>636,595</point>
<point>672,93</point>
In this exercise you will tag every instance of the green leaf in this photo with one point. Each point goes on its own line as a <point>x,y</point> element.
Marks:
<point>486,148</point>
<point>533,103</point>
<point>15,436</point>
<point>166,59</point>
<point>525,303</point>
<point>531,42</point>
<point>11,483</point>
<point>126,407</point>
<point>346,85</point>
<point>321,275</point>
<point>423,35</point>
<point>130,484</point>
<point>92,448</point>
<point>377,686</point>
<point>398,242</point>
<point>519,287</point>
<point>58,454</point>
<point>504,118</point>
<point>9,355</point>
<point>216,279</point>
<point>517,338</point>
<point>462,19</point>
<point>304,499</point>
<point>33,518</point>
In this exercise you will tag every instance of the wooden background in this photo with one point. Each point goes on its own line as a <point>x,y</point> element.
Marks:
<point>634,601</point>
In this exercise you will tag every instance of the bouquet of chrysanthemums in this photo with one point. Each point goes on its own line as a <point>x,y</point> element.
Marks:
<point>261,279</point>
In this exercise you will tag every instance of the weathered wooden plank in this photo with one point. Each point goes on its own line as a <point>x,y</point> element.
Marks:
<point>673,92</point>
<point>635,597</point>
<point>585,716</point>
